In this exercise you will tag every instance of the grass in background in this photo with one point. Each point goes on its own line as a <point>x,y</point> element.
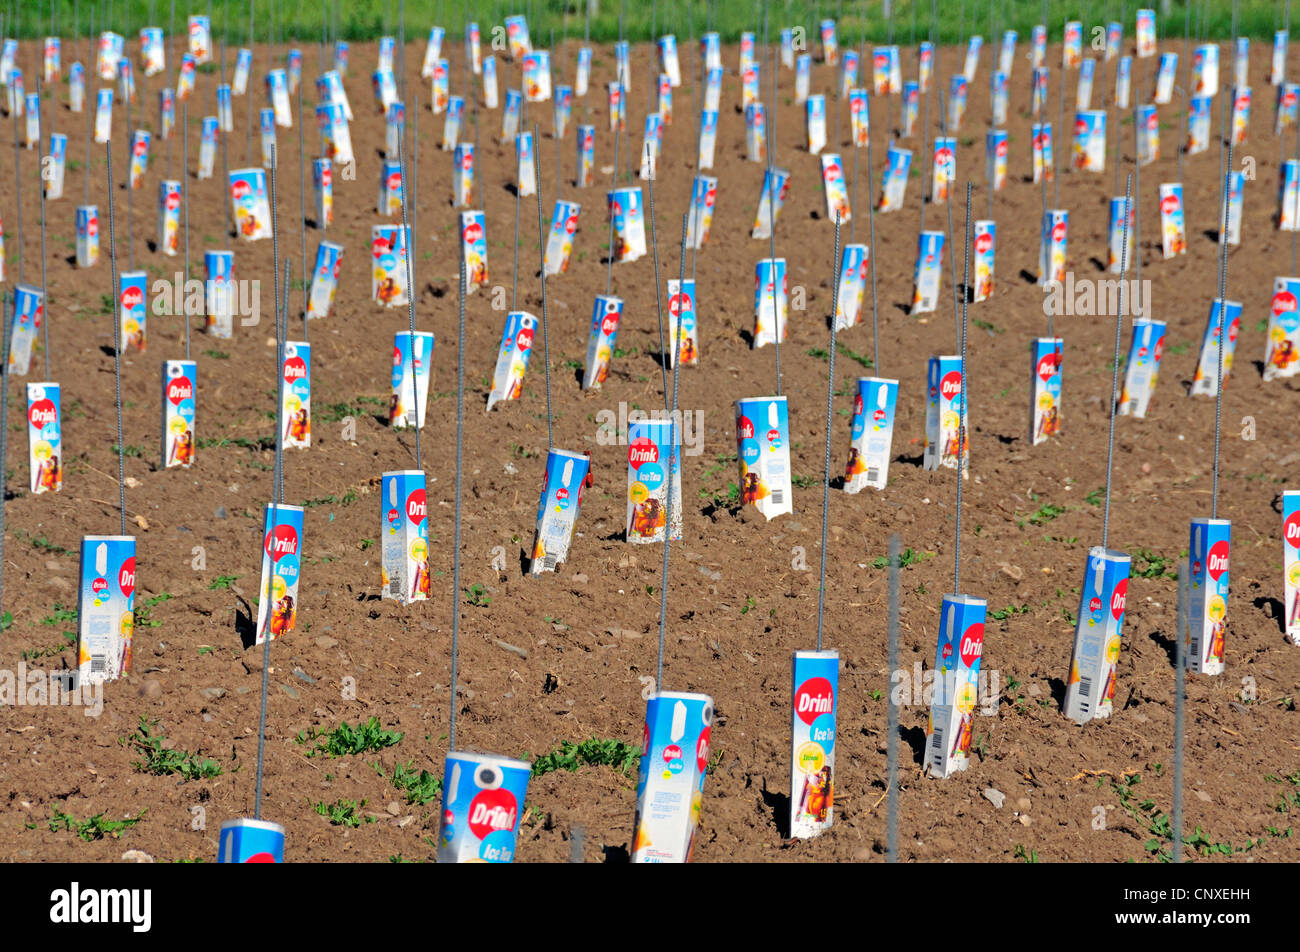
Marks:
<point>359,21</point>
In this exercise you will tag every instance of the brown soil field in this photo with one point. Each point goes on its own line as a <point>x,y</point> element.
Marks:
<point>737,604</point>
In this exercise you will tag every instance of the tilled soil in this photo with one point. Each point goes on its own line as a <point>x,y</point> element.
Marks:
<point>566,657</point>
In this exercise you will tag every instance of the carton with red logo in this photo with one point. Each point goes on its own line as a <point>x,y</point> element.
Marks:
<point>1288,197</point>
<point>582,78</point>
<point>266,122</point>
<point>911,106</point>
<point>1198,125</point>
<point>874,410</point>
<point>557,510</point>
<point>410,398</point>
<point>563,110</point>
<point>683,336</point>
<point>473,248</point>
<point>517,36</point>
<point>44,438</point>
<point>208,147</point>
<point>1291,562</point>
<point>854,262</point>
<point>169,216</point>
<point>1148,135</point>
<point>1115,234</point>
<point>986,237</point>
<point>651,140</point>
<point>179,383</point>
<point>999,93</point>
<point>708,138</point>
<point>1173,229</point>
<point>605,316</point>
<point>586,141</point>
<point>140,140</point>
<point>512,358</point>
<point>559,241</point>
<point>52,64</point>
<point>388,251</point>
<point>488,83</point>
<point>527,164</point>
<point>1206,380</point>
<point>1090,690</point>
<point>1146,33</point>
<point>713,89</point>
<point>802,77</point>
<point>848,76</point>
<point>451,125</point>
<point>670,783</point>
<point>1144,354</point>
<point>1090,140</point>
<point>1277,69</point>
<point>704,195</point>
<point>957,88</point>
<point>28,312</point>
<point>668,60</point>
<point>628,213</point>
<point>251,205</point>
<point>617,108</point>
<point>755,132</point>
<point>462,175</point>
<point>1053,242</point>
<point>219,292</point>
<point>837,193</point>
<point>296,410</point>
<point>135,315</point>
<point>925,65</point>
<point>929,272</point>
<point>1282,352</point>
<point>394,129</point>
<point>440,86</point>
<point>1240,113</point>
<point>652,446</point>
<point>404,527</point>
<point>1208,617</point>
<point>815,120</point>
<point>105,608</point>
<point>482,801</point>
<point>663,104</point>
<point>776,184</point>
<point>749,85</point>
<point>1236,183</point>
<point>763,452</point>
<point>277,90</point>
<point>945,416</point>
<point>1044,167</point>
<point>390,189</point>
<point>322,177</point>
<point>335,136</point>
<point>771,297</point>
<point>1038,92</point>
<point>894,186</point>
<point>812,741</point>
<point>1165,78</point>
<point>859,118</point>
<point>87,237</point>
<point>1044,389</point>
<point>956,680</point>
<point>995,144</point>
<point>432,51</point>
<point>277,607</point>
<point>1287,108</point>
<point>103,113</point>
<point>167,113</point>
